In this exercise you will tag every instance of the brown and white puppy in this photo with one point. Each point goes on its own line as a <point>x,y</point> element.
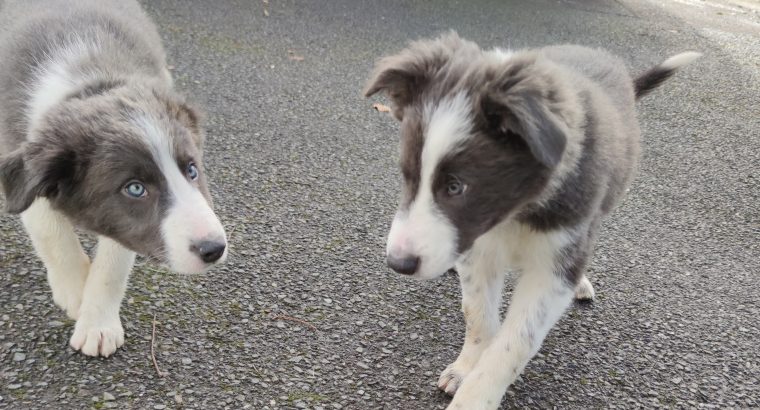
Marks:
<point>92,135</point>
<point>510,160</point>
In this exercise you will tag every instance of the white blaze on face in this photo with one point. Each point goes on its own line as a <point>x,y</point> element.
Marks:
<point>422,230</point>
<point>189,219</point>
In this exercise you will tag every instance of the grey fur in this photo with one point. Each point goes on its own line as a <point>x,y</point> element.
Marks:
<point>555,142</point>
<point>86,147</point>
<point>543,144</point>
<point>36,30</point>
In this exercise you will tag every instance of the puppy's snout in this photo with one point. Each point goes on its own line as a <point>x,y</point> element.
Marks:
<point>209,251</point>
<point>406,265</point>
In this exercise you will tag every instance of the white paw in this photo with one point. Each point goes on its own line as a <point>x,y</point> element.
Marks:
<point>452,377</point>
<point>461,404</point>
<point>67,284</point>
<point>100,337</point>
<point>584,290</point>
<point>475,395</point>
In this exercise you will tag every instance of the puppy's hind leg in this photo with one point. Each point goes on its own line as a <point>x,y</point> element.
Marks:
<point>584,290</point>
<point>58,246</point>
<point>98,331</point>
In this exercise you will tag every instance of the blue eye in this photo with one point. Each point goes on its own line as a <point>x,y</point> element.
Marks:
<point>192,171</point>
<point>455,187</point>
<point>135,190</point>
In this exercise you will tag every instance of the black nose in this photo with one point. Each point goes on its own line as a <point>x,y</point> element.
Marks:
<point>209,251</point>
<point>406,266</point>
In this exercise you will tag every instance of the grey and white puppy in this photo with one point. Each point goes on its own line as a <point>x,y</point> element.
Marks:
<point>93,135</point>
<point>510,161</point>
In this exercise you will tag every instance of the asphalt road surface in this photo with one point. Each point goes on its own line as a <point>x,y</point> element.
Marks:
<point>303,171</point>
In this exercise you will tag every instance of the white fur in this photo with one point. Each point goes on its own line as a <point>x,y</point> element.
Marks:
<point>422,230</point>
<point>90,293</point>
<point>540,298</point>
<point>190,219</point>
<point>449,124</point>
<point>98,332</point>
<point>584,290</point>
<point>498,54</point>
<point>54,81</point>
<point>481,273</point>
<point>680,60</point>
<point>58,246</point>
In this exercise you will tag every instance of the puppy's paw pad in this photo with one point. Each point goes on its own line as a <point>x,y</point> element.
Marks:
<point>97,339</point>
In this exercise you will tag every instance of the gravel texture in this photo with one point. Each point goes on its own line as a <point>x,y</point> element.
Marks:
<point>305,314</point>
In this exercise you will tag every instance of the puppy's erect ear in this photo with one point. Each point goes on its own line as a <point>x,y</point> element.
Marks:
<point>523,98</point>
<point>405,75</point>
<point>35,170</point>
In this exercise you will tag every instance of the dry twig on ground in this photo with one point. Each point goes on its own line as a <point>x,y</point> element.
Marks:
<point>153,349</point>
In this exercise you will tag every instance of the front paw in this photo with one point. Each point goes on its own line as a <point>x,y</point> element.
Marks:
<point>474,395</point>
<point>452,377</point>
<point>98,337</point>
<point>461,404</point>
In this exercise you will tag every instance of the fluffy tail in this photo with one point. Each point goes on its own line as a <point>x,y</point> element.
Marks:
<point>655,76</point>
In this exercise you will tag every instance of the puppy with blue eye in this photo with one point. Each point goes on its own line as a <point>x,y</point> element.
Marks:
<point>93,135</point>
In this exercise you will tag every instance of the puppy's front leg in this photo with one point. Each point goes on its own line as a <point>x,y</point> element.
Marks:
<point>482,281</point>
<point>539,299</point>
<point>98,330</point>
<point>58,246</point>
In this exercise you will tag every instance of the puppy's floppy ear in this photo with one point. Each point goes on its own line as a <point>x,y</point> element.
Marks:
<point>35,170</point>
<point>190,117</point>
<point>523,99</point>
<point>13,178</point>
<point>405,75</point>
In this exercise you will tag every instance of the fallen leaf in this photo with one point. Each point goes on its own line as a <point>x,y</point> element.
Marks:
<point>266,8</point>
<point>381,108</point>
